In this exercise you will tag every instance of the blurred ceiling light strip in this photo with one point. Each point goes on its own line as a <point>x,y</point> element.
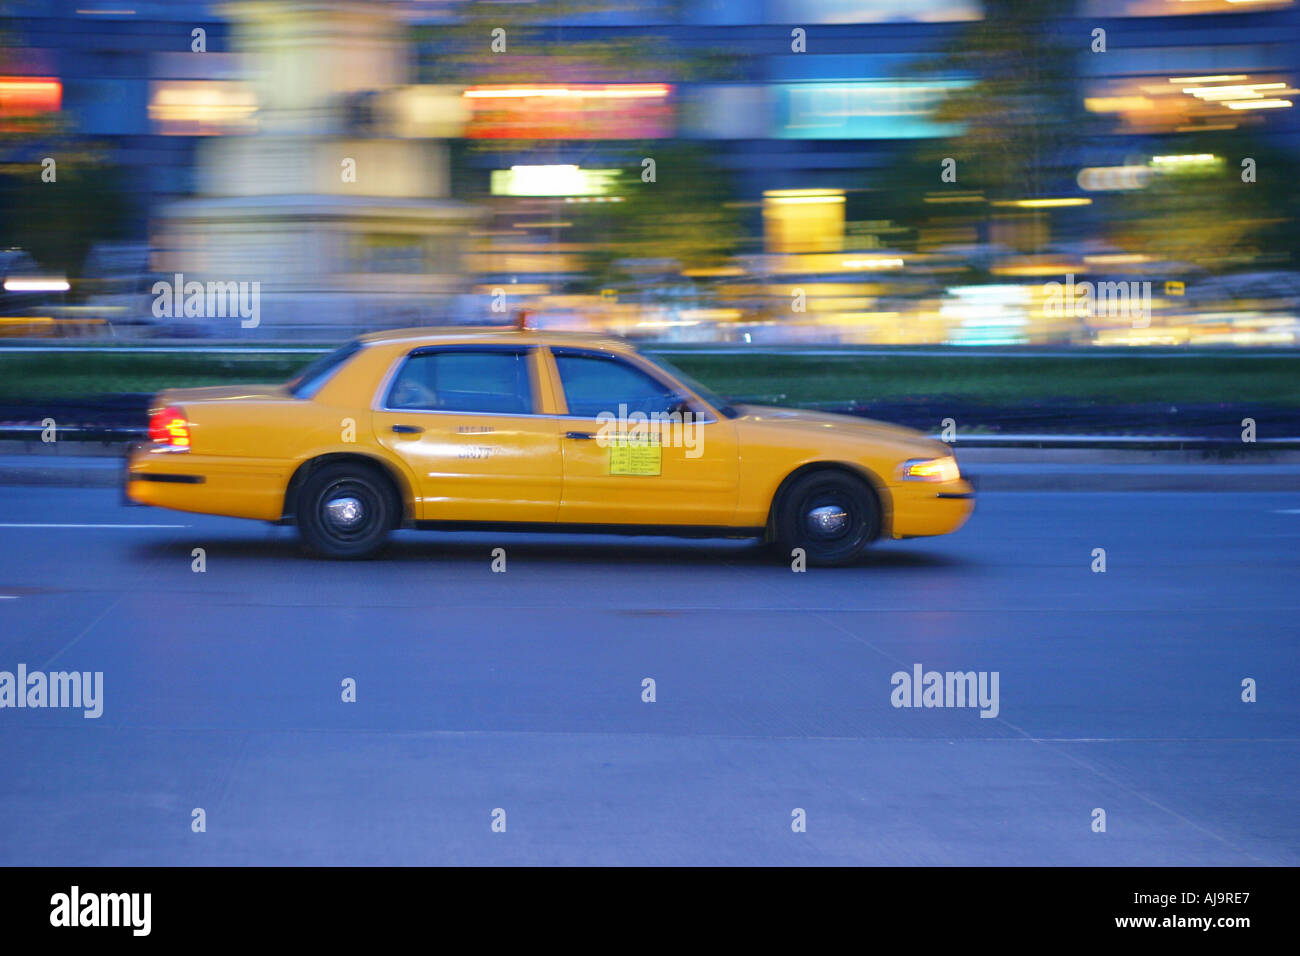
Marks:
<point>1231,92</point>
<point>1222,78</point>
<point>791,197</point>
<point>873,263</point>
<point>1116,259</point>
<point>1046,203</point>
<point>1116,104</point>
<point>1259,105</point>
<point>804,200</point>
<point>35,284</point>
<point>1221,92</point>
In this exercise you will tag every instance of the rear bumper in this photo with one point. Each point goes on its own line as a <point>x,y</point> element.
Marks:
<point>238,488</point>
<point>125,481</point>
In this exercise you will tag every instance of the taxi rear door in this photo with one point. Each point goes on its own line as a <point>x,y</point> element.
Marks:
<point>467,421</point>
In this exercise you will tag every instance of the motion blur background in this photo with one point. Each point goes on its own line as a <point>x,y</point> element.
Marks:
<point>768,171</point>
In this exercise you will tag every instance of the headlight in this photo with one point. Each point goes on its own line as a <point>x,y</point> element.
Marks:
<point>931,469</point>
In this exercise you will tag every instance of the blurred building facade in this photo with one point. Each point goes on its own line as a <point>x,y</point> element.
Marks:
<point>341,227</point>
<point>808,107</point>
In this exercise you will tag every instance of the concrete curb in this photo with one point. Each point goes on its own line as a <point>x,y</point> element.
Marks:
<point>61,471</point>
<point>1047,473</point>
<point>1128,477</point>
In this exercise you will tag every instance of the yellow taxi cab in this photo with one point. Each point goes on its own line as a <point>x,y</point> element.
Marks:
<point>517,429</point>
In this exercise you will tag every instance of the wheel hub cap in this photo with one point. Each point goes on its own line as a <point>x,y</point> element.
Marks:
<point>345,512</point>
<point>827,520</point>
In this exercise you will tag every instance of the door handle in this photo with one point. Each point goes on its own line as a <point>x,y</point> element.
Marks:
<point>407,429</point>
<point>579,436</point>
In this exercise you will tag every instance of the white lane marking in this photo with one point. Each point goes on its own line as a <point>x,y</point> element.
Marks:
<point>16,525</point>
<point>1287,511</point>
<point>8,597</point>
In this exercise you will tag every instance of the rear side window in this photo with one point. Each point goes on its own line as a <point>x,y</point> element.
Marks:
<point>312,378</point>
<point>594,384</point>
<point>464,380</point>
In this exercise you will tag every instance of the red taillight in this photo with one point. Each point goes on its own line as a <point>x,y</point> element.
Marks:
<point>169,427</point>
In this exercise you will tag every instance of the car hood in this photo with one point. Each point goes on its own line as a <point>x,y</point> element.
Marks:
<point>850,426</point>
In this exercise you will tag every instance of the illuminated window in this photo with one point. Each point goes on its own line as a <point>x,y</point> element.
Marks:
<point>803,220</point>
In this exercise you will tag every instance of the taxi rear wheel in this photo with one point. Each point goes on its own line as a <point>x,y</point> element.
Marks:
<point>831,515</point>
<point>346,511</point>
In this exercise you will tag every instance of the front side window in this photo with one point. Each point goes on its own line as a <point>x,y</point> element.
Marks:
<point>464,380</point>
<point>595,383</point>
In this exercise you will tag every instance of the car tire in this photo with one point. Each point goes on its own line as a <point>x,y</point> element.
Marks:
<point>345,511</point>
<point>832,515</point>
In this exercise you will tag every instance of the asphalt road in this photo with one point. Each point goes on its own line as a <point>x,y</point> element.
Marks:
<point>523,691</point>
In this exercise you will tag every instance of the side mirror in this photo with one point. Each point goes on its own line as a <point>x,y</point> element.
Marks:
<point>680,405</point>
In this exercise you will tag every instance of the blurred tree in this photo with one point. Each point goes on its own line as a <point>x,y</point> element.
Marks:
<point>1205,214</point>
<point>1019,121</point>
<point>1020,116</point>
<point>1024,132</point>
<point>55,221</point>
<point>58,222</point>
<point>686,215</point>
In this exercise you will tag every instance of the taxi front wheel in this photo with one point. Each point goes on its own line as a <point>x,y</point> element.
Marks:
<point>831,515</point>
<point>346,511</point>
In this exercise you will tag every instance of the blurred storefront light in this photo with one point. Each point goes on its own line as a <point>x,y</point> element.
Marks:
<point>23,97</point>
<point>201,107</point>
<point>865,109</point>
<point>1187,103</point>
<point>803,220</point>
<point>424,111</point>
<point>986,314</point>
<point>1113,178</point>
<point>1183,159</point>
<point>1187,164</point>
<point>557,180</point>
<point>579,111</point>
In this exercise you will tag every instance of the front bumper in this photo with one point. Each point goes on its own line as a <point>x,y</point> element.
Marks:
<point>921,508</point>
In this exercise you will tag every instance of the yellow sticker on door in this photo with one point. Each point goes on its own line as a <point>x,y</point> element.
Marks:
<point>635,455</point>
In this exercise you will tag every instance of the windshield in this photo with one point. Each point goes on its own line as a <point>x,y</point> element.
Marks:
<point>708,395</point>
<point>310,380</point>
